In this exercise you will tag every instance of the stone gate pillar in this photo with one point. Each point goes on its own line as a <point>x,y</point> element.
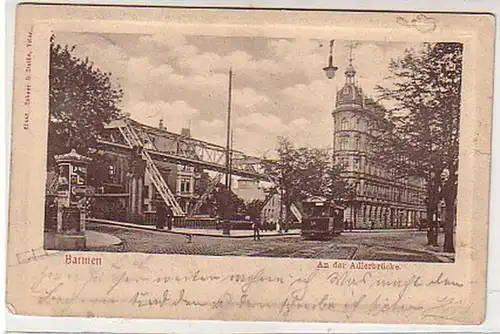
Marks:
<point>136,182</point>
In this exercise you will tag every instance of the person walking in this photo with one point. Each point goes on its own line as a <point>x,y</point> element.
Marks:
<point>256,229</point>
<point>170,216</point>
<point>160,215</point>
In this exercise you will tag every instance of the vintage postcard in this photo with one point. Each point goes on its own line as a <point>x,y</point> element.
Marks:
<point>262,165</point>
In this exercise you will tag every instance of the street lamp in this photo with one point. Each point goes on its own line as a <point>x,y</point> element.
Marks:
<point>330,70</point>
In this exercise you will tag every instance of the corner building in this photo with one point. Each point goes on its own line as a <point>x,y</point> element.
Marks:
<point>381,200</point>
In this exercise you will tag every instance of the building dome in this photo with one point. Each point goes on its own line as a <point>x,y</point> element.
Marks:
<point>350,71</point>
<point>350,94</point>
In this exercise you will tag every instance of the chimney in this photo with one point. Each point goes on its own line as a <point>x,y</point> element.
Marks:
<point>160,125</point>
<point>186,132</point>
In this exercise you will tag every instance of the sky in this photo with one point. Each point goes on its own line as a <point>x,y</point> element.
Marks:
<point>279,88</point>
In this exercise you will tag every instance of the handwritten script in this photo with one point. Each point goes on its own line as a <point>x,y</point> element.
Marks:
<point>421,22</point>
<point>366,293</point>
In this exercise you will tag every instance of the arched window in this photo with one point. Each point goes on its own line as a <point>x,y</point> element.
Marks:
<point>358,143</point>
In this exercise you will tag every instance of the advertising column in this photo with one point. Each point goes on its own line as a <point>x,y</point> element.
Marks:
<point>70,234</point>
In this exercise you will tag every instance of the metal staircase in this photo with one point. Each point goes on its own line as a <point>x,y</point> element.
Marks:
<point>296,212</point>
<point>211,186</point>
<point>133,140</point>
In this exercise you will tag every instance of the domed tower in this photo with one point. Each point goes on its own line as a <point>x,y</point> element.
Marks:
<point>349,119</point>
<point>350,133</point>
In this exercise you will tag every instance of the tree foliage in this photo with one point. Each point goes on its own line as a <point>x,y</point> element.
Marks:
<point>304,172</point>
<point>425,137</point>
<point>215,203</point>
<point>81,99</point>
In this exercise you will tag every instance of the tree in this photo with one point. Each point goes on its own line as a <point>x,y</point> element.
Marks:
<point>254,208</point>
<point>304,172</point>
<point>214,205</point>
<point>82,99</point>
<point>424,139</point>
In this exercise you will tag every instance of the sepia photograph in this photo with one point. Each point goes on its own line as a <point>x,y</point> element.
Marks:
<point>250,165</point>
<point>173,143</point>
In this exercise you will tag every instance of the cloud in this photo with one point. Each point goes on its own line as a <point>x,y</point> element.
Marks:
<point>265,122</point>
<point>278,85</point>
<point>314,96</point>
<point>213,131</point>
<point>176,115</point>
<point>248,98</point>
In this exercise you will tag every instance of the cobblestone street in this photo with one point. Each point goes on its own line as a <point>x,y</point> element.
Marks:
<point>390,246</point>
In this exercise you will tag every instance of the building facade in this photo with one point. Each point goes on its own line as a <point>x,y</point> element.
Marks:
<point>249,190</point>
<point>272,211</point>
<point>381,199</point>
<point>125,174</point>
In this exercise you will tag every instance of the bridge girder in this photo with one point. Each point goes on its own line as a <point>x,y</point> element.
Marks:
<point>238,169</point>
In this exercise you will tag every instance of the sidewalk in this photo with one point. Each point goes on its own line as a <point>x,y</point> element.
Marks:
<point>94,239</point>
<point>234,233</point>
<point>383,230</point>
<point>419,244</point>
<point>98,239</point>
<point>197,232</point>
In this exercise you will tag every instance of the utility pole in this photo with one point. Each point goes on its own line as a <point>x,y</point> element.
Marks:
<point>231,161</point>
<point>226,224</point>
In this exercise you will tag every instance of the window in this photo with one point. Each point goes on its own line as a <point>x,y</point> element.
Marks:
<point>358,143</point>
<point>343,144</point>
<point>111,173</point>
<point>356,163</point>
<point>345,162</point>
<point>185,186</point>
<point>344,124</point>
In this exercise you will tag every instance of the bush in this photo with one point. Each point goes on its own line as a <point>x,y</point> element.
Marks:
<point>109,208</point>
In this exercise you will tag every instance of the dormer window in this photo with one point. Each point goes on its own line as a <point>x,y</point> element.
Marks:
<point>347,90</point>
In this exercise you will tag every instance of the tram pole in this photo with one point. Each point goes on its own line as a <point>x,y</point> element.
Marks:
<point>226,224</point>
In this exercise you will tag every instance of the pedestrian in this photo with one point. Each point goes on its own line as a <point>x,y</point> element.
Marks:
<point>169,214</point>
<point>256,229</point>
<point>217,222</point>
<point>160,215</point>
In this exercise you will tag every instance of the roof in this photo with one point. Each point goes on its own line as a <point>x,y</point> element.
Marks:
<point>321,199</point>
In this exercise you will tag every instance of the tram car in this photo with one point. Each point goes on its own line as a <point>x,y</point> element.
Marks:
<point>322,219</point>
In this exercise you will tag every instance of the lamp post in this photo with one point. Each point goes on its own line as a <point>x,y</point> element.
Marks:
<point>226,222</point>
<point>330,70</point>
